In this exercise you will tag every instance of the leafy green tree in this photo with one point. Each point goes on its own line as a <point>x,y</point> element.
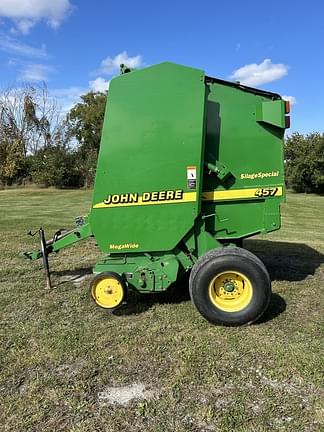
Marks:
<point>55,166</point>
<point>304,156</point>
<point>85,124</point>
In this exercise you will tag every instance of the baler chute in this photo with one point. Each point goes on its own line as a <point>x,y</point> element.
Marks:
<point>188,167</point>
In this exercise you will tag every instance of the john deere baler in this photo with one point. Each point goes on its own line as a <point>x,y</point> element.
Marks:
<point>188,167</point>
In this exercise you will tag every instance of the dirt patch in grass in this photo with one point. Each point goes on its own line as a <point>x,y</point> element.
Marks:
<point>123,395</point>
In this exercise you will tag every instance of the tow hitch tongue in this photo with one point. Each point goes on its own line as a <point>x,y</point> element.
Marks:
<point>61,239</point>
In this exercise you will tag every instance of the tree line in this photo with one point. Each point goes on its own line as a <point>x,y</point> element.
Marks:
<point>38,145</point>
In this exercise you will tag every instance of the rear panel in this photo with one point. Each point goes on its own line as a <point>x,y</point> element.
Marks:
<point>147,187</point>
<point>245,132</point>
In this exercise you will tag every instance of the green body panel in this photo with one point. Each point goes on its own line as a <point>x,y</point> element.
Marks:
<point>271,112</point>
<point>187,163</point>
<point>153,130</point>
<point>143,272</point>
<point>236,139</point>
<point>252,152</point>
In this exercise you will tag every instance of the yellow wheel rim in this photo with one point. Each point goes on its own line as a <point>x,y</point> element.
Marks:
<point>230,291</point>
<point>107,292</point>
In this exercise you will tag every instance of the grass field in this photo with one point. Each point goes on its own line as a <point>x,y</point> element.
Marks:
<point>63,360</point>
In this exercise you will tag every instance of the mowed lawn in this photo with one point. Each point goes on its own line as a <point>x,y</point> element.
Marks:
<point>62,358</point>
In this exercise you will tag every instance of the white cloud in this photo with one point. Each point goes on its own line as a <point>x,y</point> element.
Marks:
<point>256,74</point>
<point>111,65</point>
<point>22,26</point>
<point>68,97</point>
<point>35,72</point>
<point>99,85</point>
<point>26,13</point>
<point>291,99</point>
<point>13,46</point>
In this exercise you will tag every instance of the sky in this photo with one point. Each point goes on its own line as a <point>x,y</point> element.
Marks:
<point>77,45</point>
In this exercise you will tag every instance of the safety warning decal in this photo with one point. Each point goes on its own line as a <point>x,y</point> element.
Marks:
<point>191,177</point>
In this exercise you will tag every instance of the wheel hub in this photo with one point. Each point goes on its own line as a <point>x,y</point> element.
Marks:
<point>229,286</point>
<point>230,291</point>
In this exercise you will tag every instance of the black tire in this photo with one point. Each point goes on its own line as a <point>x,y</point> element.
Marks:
<point>228,259</point>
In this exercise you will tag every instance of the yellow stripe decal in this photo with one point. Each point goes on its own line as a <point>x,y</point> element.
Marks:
<point>224,195</point>
<point>185,197</point>
<point>178,196</point>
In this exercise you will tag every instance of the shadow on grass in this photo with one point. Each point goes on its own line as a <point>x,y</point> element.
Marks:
<point>75,276</point>
<point>286,261</point>
<point>276,307</point>
<point>137,303</point>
